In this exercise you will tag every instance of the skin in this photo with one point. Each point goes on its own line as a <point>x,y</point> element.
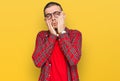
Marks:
<point>55,22</point>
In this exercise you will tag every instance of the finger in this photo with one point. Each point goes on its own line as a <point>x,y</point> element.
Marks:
<point>60,20</point>
<point>51,28</point>
<point>49,24</point>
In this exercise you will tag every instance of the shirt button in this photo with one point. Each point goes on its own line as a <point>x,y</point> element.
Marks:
<point>46,35</point>
<point>49,75</point>
<point>49,64</point>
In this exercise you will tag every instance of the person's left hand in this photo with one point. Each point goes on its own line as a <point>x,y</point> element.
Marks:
<point>61,25</point>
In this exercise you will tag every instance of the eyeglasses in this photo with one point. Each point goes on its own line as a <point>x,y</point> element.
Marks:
<point>56,14</point>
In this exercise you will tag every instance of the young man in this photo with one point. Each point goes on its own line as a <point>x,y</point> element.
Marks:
<point>57,50</point>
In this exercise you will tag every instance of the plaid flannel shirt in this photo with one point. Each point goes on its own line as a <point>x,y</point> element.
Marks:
<point>70,44</point>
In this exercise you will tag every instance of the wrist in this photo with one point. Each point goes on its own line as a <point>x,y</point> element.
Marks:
<point>62,32</point>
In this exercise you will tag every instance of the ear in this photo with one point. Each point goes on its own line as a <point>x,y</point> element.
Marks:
<point>44,19</point>
<point>64,16</point>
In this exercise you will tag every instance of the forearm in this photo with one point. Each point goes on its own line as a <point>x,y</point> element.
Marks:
<point>43,50</point>
<point>71,49</point>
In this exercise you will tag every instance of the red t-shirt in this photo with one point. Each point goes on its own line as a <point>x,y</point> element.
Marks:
<point>58,65</point>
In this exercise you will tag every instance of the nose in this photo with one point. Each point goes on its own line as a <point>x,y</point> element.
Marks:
<point>53,17</point>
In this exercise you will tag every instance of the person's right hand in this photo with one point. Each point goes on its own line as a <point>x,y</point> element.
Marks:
<point>51,29</point>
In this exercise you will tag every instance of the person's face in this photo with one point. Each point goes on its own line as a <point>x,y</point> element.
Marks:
<point>52,13</point>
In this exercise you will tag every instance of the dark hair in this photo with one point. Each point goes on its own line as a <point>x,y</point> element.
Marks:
<point>52,4</point>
